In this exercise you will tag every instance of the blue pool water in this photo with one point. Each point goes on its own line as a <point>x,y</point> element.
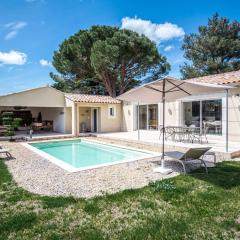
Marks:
<point>79,153</point>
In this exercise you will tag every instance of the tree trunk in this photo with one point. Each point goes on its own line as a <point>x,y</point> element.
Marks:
<point>123,75</point>
<point>110,84</point>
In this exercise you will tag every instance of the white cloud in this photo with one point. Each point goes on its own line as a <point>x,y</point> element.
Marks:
<point>16,25</point>
<point>45,63</point>
<point>156,32</point>
<point>168,48</point>
<point>11,35</point>
<point>13,57</point>
<point>13,28</point>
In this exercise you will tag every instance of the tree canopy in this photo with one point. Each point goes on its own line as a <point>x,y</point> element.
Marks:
<point>214,49</point>
<point>106,60</point>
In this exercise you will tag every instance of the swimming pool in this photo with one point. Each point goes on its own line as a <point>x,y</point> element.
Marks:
<point>76,155</point>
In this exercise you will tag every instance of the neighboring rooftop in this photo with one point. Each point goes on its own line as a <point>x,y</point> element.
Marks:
<point>91,98</point>
<point>221,78</point>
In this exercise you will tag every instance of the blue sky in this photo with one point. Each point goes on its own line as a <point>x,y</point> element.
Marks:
<point>30,30</point>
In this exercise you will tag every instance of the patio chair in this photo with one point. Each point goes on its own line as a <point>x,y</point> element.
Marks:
<point>190,154</point>
<point>160,128</point>
<point>6,151</point>
<point>169,132</point>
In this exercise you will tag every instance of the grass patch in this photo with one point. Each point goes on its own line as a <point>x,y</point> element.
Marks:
<point>92,207</point>
<point>57,202</point>
<point>17,222</point>
<point>163,185</point>
<point>196,206</point>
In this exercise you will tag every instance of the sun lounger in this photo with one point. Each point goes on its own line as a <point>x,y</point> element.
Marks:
<point>190,154</point>
<point>5,151</point>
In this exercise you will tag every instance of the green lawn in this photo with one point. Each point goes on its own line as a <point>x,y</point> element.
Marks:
<point>197,206</point>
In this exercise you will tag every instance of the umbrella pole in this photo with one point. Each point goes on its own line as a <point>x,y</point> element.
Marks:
<point>163,122</point>
<point>162,168</point>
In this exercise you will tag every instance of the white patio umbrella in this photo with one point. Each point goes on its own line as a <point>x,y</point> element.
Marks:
<point>170,89</point>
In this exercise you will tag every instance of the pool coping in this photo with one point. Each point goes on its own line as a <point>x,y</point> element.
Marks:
<point>71,169</point>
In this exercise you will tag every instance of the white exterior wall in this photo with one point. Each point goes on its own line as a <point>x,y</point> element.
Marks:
<point>108,124</point>
<point>38,97</point>
<point>174,113</point>
<point>233,114</point>
<point>171,113</point>
<point>68,120</point>
<point>85,116</point>
<point>128,117</point>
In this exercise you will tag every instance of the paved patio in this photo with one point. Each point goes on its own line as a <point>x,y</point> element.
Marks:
<point>152,137</point>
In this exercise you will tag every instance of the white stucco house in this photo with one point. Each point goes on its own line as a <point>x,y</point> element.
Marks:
<point>76,113</point>
<point>198,110</point>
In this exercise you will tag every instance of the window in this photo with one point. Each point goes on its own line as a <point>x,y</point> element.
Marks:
<point>205,113</point>
<point>143,117</point>
<point>111,111</point>
<point>153,117</point>
<point>148,116</point>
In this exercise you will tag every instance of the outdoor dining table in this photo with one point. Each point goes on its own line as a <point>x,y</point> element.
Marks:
<point>183,133</point>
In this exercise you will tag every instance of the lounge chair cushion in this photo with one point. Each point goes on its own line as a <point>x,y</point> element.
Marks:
<point>190,154</point>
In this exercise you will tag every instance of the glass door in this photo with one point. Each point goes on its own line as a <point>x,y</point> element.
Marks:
<point>206,114</point>
<point>153,117</point>
<point>192,113</point>
<point>212,116</point>
<point>143,117</point>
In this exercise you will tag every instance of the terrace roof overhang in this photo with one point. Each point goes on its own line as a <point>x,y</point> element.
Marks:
<point>173,90</point>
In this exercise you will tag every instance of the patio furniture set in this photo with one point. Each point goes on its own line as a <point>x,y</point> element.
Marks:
<point>184,133</point>
<point>46,125</point>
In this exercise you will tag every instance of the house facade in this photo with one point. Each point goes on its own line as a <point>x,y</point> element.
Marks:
<point>205,111</point>
<point>63,113</point>
<point>78,113</point>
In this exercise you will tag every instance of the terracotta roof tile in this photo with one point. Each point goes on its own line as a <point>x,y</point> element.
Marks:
<point>91,98</point>
<point>222,78</point>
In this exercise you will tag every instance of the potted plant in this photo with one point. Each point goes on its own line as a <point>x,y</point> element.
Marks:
<point>11,123</point>
<point>39,117</point>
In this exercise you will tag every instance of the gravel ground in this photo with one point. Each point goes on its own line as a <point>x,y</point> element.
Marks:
<point>38,175</point>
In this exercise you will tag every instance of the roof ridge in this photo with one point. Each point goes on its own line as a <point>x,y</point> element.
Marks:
<point>90,98</point>
<point>84,94</point>
<point>219,78</point>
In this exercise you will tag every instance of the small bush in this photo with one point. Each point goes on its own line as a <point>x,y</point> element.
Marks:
<point>162,185</point>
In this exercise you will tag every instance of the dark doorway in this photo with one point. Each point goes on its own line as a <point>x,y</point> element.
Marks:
<point>95,120</point>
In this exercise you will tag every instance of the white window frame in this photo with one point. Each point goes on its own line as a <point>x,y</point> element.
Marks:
<point>114,111</point>
<point>200,98</point>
